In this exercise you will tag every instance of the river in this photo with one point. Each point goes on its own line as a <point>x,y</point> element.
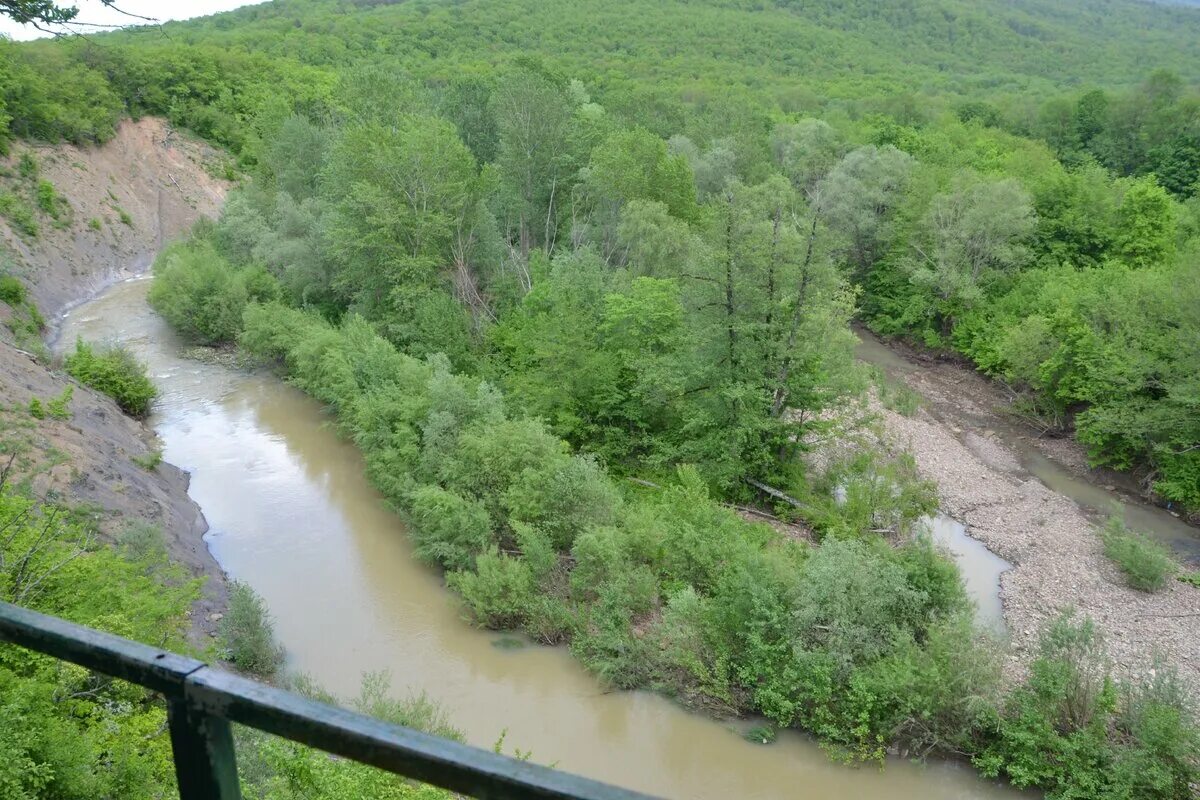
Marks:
<point>292,514</point>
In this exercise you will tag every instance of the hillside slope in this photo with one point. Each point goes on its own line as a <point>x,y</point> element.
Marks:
<point>124,199</point>
<point>157,179</point>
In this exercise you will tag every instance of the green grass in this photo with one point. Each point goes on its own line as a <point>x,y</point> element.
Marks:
<point>150,461</point>
<point>19,214</point>
<point>12,291</point>
<point>1148,566</point>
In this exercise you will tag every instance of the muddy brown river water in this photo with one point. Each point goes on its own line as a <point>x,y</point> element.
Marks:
<point>292,514</point>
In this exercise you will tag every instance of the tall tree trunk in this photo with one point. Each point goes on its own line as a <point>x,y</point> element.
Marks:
<point>769,348</point>
<point>730,306</point>
<point>785,363</point>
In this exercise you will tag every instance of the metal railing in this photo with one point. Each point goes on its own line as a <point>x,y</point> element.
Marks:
<point>203,701</point>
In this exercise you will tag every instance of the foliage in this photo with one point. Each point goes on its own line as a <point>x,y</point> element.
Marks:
<point>68,732</point>
<point>247,633</point>
<point>1072,731</point>
<point>60,407</point>
<point>518,272</point>
<point>18,212</point>
<point>12,291</point>
<point>670,590</point>
<point>150,461</point>
<point>202,295</point>
<point>114,371</point>
<point>1148,565</point>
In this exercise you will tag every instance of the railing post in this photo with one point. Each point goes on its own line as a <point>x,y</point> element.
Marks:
<point>205,763</point>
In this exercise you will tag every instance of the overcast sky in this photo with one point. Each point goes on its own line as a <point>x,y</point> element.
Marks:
<point>94,11</point>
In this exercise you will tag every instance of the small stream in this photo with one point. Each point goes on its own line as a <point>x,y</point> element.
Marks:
<point>292,513</point>
<point>1096,500</point>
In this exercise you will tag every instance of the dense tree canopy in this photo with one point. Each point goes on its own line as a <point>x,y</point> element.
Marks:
<point>527,251</point>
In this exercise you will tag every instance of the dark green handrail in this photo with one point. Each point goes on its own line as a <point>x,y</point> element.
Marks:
<point>202,701</point>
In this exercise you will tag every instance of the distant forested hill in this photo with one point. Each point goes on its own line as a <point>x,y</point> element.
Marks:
<point>907,59</point>
<point>846,48</point>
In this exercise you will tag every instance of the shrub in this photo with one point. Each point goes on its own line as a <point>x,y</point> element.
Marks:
<point>47,198</point>
<point>16,211</point>
<point>94,223</point>
<point>60,407</point>
<point>150,461</point>
<point>417,711</point>
<point>1148,565</point>
<point>143,542</point>
<point>248,634</point>
<point>498,592</point>
<point>1054,729</point>
<point>115,372</point>
<point>1070,731</point>
<point>36,410</point>
<point>899,397</point>
<point>28,165</point>
<point>201,294</point>
<point>448,529</point>
<point>12,291</point>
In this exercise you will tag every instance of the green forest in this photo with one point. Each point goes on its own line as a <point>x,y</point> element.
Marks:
<point>580,278</point>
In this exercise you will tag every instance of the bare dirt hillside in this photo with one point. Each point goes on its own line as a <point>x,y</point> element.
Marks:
<point>114,207</point>
<point>124,201</point>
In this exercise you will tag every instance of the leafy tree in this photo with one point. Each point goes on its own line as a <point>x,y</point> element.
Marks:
<point>533,120</point>
<point>1145,224</point>
<point>969,238</point>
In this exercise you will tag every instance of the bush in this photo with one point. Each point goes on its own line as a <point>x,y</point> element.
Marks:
<point>247,633</point>
<point>18,212</point>
<point>416,711</point>
<point>1053,731</point>
<point>28,165</point>
<point>448,529</point>
<point>12,291</point>
<point>1148,565</point>
<point>1067,731</point>
<point>116,372</point>
<point>143,542</point>
<point>94,223</point>
<point>150,461</point>
<point>498,592</point>
<point>47,198</point>
<point>60,407</point>
<point>202,295</point>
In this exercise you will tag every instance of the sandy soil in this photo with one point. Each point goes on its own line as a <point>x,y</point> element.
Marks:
<point>161,180</point>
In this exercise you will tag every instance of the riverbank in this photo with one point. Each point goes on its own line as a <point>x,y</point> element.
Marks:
<point>295,516</point>
<point>124,200</point>
<point>1057,556</point>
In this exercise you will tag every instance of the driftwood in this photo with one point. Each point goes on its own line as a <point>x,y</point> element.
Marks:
<point>758,512</point>
<point>773,492</point>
